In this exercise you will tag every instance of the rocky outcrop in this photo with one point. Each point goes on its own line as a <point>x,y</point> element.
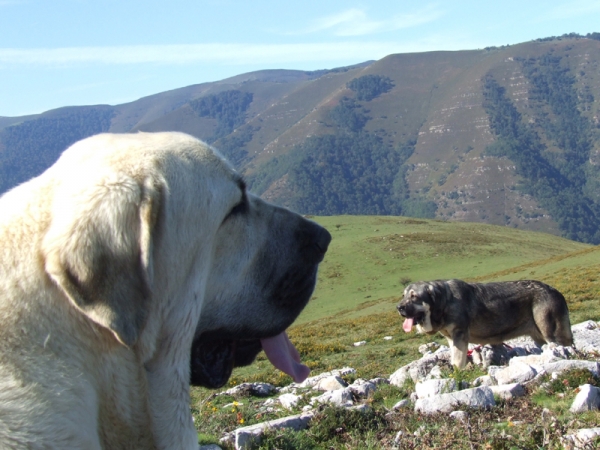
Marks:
<point>524,364</point>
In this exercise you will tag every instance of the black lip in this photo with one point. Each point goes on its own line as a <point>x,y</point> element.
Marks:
<point>214,358</point>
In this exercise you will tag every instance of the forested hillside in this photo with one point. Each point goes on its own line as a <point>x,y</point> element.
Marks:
<point>503,135</point>
<point>28,148</point>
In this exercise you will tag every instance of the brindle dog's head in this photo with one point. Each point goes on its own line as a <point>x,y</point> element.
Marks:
<point>422,301</point>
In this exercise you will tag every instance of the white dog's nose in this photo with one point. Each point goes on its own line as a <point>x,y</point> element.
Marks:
<point>323,240</point>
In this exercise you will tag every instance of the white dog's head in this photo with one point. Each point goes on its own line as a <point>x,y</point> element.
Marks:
<point>119,257</point>
<point>164,235</point>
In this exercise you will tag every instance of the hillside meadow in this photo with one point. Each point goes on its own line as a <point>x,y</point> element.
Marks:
<point>370,261</point>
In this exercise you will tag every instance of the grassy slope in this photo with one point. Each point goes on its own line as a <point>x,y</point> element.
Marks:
<point>360,282</point>
<point>372,258</point>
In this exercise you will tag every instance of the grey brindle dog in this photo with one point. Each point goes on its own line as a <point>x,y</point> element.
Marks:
<point>486,313</point>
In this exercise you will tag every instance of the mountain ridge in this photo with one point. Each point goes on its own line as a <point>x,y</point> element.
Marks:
<point>295,138</point>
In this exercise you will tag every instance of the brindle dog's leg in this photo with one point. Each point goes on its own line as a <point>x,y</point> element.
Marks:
<point>460,346</point>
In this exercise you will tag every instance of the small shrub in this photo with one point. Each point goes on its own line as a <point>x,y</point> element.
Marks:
<point>331,423</point>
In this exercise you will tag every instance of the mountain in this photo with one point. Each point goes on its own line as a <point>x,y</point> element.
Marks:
<point>503,135</point>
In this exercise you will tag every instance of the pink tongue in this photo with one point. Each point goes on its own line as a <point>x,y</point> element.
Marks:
<point>407,325</point>
<point>283,355</point>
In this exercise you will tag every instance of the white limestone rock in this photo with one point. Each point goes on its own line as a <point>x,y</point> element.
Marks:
<point>517,372</point>
<point>340,397</point>
<point>363,389</point>
<point>289,401</point>
<point>588,399</point>
<point>433,387</point>
<point>580,439</point>
<point>508,391</point>
<point>330,383</point>
<point>571,364</point>
<point>248,436</point>
<point>481,397</point>
<point>461,416</point>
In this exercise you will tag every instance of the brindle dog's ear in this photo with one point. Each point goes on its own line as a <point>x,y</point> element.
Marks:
<point>98,250</point>
<point>438,293</point>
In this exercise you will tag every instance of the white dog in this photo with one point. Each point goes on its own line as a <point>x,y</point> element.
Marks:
<point>111,263</point>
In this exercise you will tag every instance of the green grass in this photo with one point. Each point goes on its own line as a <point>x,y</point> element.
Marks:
<point>372,258</point>
<point>360,282</point>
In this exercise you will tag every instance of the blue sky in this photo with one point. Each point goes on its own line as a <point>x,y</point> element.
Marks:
<point>79,52</point>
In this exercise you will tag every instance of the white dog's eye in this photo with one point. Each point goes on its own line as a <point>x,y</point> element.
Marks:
<point>240,208</point>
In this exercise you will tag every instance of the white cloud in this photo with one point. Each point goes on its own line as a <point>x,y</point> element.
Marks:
<point>229,54</point>
<point>356,22</point>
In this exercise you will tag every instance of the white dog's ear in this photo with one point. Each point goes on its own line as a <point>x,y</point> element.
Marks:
<point>98,250</point>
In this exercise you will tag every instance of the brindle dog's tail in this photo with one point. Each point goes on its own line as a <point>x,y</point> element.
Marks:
<point>554,325</point>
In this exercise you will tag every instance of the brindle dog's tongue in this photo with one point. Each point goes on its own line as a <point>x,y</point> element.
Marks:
<point>407,325</point>
<point>283,355</point>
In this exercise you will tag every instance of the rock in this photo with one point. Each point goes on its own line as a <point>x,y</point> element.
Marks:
<point>248,436</point>
<point>580,439</point>
<point>508,391</point>
<point>343,372</point>
<point>463,416</point>
<point>399,377</point>
<point>330,383</point>
<point>571,364</point>
<point>558,351</point>
<point>426,348</point>
<point>584,326</point>
<point>255,389</point>
<point>312,381</point>
<point>289,401</point>
<point>434,373</point>
<point>481,397</point>
<point>362,388</point>
<point>430,388</point>
<point>379,380</point>
<point>492,371</point>
<point>588,399</point>
<point>341,397</point>
<point>515,373</point>
<point>484,380</point>
<point>360,408</point>
<point>401,404</point>
<point>536,361</point>
<point>360,343</point>
<point>398,438</point>
<point>586,336</point>
<point>443,353</point>
<point>416,370</point>
<point>234,404</point>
